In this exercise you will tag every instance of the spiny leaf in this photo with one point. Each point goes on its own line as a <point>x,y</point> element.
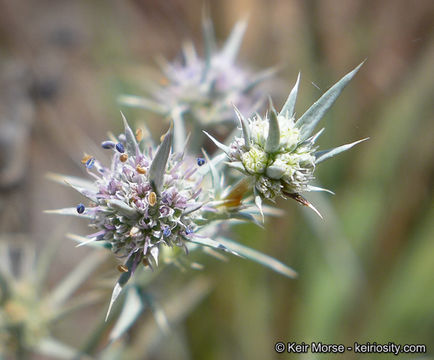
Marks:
<point>75,278</point>
<point>72,180</point>
<point>289,106</point>
<point>258,78</point>
<point>131,310</point>
<point>258,202</point>
<point>122,281</point>
<point>82,240</point>
<point>143,103</point>
<point>327,154</point>
<point>123,208</point>
<point>313,115</point>
<point>260,258</point>
<point>215,177</point>
<point>273,139</point>
<point>179,136</point>
<point>131,143</point>
<point>211,243</point>
<point>233,43</point>
<point>245,127</point>
<point>158,166</point>
<point>221,146</point>
<point>68,211</point>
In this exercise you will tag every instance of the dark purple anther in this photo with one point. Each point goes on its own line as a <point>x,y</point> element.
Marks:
<point>80,208</point>
<point>120,147</point>
<point>200,161</point>
<point>167,232</point>
<point>90,162</point>
<point>108,144</point>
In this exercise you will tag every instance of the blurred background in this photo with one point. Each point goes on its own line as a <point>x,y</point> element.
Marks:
<point>366,272</point>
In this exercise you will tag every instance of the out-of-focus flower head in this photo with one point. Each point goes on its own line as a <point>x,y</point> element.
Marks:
<point>202,89</point>
<point>27,312</point>
<point>278,153</point>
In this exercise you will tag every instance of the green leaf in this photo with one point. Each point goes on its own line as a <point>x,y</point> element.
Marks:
<point>132,308</point>
<point>72,180</point>
<point>215,177</point>
<point>216,160</point>
<point>82,239</point>
<point>158,166</point>
<point>221,146</point>
<point>131,143</point>
<point>327,154</point>
<point>143,103</point>
<point>58,350</point>
<point>237,165</point>
<point>122,281</point>
<point>124,209</point>
<point>179,137</point>
<point>273,139</point>
<point>260,258</point>
<point>233,43</point>
<point>75,278</point>
<point>314,114</point>
<point>211,243</point>
<point>245,127</point>
<point>68,211</point>
<point>158,313</point>
<point>260,77</point>
<point>258,202</point>
<point>91,195</point>
<point>289,106</point>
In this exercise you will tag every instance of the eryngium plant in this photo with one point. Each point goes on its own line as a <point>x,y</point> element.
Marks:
<point>202,89</point>
<point>278,153</point>
<point>28,310</point>
<point>144,203</point>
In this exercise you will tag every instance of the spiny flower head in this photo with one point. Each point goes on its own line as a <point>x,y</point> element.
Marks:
<point>278,153</point>
<point>203,88</point>
<point>143,201</point>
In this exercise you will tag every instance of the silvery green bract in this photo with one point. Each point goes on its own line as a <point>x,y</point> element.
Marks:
<point>28,311</point>
<point>202,89</point>
<point>148,201</point>
<point>278,152</point>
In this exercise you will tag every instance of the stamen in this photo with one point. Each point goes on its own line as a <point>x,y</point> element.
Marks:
<point>139,134</point>
<point>200,161</point>
<point>86,158</point>
<point>90,163</point>
<point>140,170</point>
<point>152,198</point>
<point>120,147</point>
<point>123,157</point>
<point>122,268</point>
<point>167,232</point>
<point>80,208</point>
<point>108,144</point>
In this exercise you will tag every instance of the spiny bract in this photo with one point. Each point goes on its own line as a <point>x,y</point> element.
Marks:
<point>203,88</point>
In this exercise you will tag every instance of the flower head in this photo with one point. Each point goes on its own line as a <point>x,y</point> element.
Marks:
<point>204,88</point>
<point>279,153</point>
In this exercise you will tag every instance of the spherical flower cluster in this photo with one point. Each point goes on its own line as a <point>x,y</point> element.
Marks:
<point>203,88</point>
<point>278,153</point>
<point>143,201</point>
<point>287,169</point>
